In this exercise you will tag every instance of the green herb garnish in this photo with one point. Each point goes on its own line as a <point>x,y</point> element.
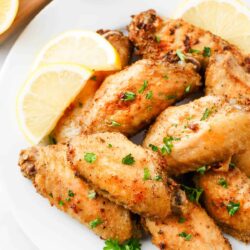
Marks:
<point>91,194</point>
<point>70,193</point>
<point>128,160</point>
<point>232,208</point>
<point>206,114</point>
<point>128,96</point>
<point>157,39</point>
<point>90,157</point>
<point>207,52</point>
<point>52,139</point>
<point>157,178</point>
<point>115,124</point>
<point>132,244</point>
<point>180,55</point>
<point>149,95</point>
<point>93,78</point>
<point>193,194</point>
<point>153,147</point>
<point>201,170</point>
<point>168,144</point>
<point>61,203</point>
<point>169,97</point>
<point>187,89</point>
<point>146,174</point>
<point>95,223</point>
<point>110,145</point>
<point>223,182</point>
<point>143,87</point>
<point>182,220</point>
<point>232,165</point>
<point>186,236</point>
<point>165,77</point>
<point>194,51</point>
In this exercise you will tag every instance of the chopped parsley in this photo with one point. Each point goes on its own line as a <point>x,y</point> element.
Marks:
<point>153,147</point>
<point>168,144</point>
<point>149,95</point>
<point>169,97</point>
<point>157,178</point>
<point>93,78</point>
<point>115,124</point>
<point>110,145</point>
<point>128,160</point>
<point>182,220</point>
<point>193,194</point>
<point>165,77</point>
<point>68,199</point>
<point>194,51</point>
<point>185,235</point>
<point>70,193</point>
<point>95,223</point>
<point>202,169</point>
<point>232,165</point>
<point>61,203</point>
<point>207,52</point>
<point>223,182</point>
<point>146,174</point>
<point>128,96</point>
<point>232,208</point>
<point>206,114</point>
<point>187,89</point>
<point>180,55</point>
<point>157,39</point>
<point>143,87</point>
<point>90,157</point>
<point>91,194</point>
<point>132,244</point>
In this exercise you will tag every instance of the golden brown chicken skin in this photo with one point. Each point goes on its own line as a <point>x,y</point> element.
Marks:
<point>50,172</point>
<point>227,200</point>
<point>203,132</point>
<point>126,174</point>
<point>226,77</point>
<point>194,231</point>
<point>155,37</point>
<point>242,160</point>
<point>70,124</point>
<point>130,99</point>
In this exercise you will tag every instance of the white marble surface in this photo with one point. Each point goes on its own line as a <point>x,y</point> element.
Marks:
<point>11,235</point>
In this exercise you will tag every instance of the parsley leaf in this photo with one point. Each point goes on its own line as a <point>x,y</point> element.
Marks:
<point>93,78</point>
<point>157,178</point>
<point>115,124</point>
<point>194,51</point>
<point>186,236</point>
<point>223,182</point>
<point>61,203</point>
<point>128,160</point>
<point>232,165</point>
<point>182,220</point>
<point>153,147</point>
<point>146,174</point>
<point>128,96</point>
<point>165,77</point>
<point>193,194</point>
<point>95,223</point>
<point>180,55</point>
<point>149,95</point>
<point>132,244</point>
<point>91,194</point>
<point>90,157</point>
<point>143,87</point>
<point>70,193</point>
<point>207,52</point>
<point>201,170</point>
<point>168,144</point>
<point>206,114</point>
<point>157,39</point>
<point>232,208</point>
<point>169,97</point>
<point>187,89</point>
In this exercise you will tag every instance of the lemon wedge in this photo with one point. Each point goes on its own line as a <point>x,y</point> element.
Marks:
<point>80,47</point>
<point>8,11</point>
<point>45,96</point>
<point>229,19</point>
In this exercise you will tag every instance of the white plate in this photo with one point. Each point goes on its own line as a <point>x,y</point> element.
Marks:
<point>47,227</point>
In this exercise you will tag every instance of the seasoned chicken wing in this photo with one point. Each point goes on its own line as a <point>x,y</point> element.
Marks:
<point>242,160</point>
<point>126,174</point>
<point>231,80</point>
<point>206,131</point>
<point>227,200</point>
<point>155,37</point>
<point>70,124</point>
<point>49,169</point>
<point>194,231</point>
<point>130,99</point>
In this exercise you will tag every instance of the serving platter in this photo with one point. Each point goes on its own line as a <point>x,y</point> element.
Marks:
<point>47,227</point>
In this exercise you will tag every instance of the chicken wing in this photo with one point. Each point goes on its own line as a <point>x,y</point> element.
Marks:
<point>155,37</point>
<point>231,80</point>
<point>227,200</point>
<point>203,132</point>
<point>126,174</point>
<point>70,124</point>
<point>194,231</point>
<point>130,99</point>
<point>53,178</point>
<point>242,160</point>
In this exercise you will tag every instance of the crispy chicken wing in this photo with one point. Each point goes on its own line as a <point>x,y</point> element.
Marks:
<point>227,200</point>
<point>194,231</point>
<point>242,160</point>
<point>70,124</point>
<point>231,80</point>
<point>130,99</point>
<point>126,174</point>
<point>155,37</point>
<point>53,178</point>
<point>203,132</point>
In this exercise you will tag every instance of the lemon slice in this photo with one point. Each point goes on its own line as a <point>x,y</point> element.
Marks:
<point>8,11</point>
<point>229,19</point>
<point>80,47</point>
<point>45,96</point>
